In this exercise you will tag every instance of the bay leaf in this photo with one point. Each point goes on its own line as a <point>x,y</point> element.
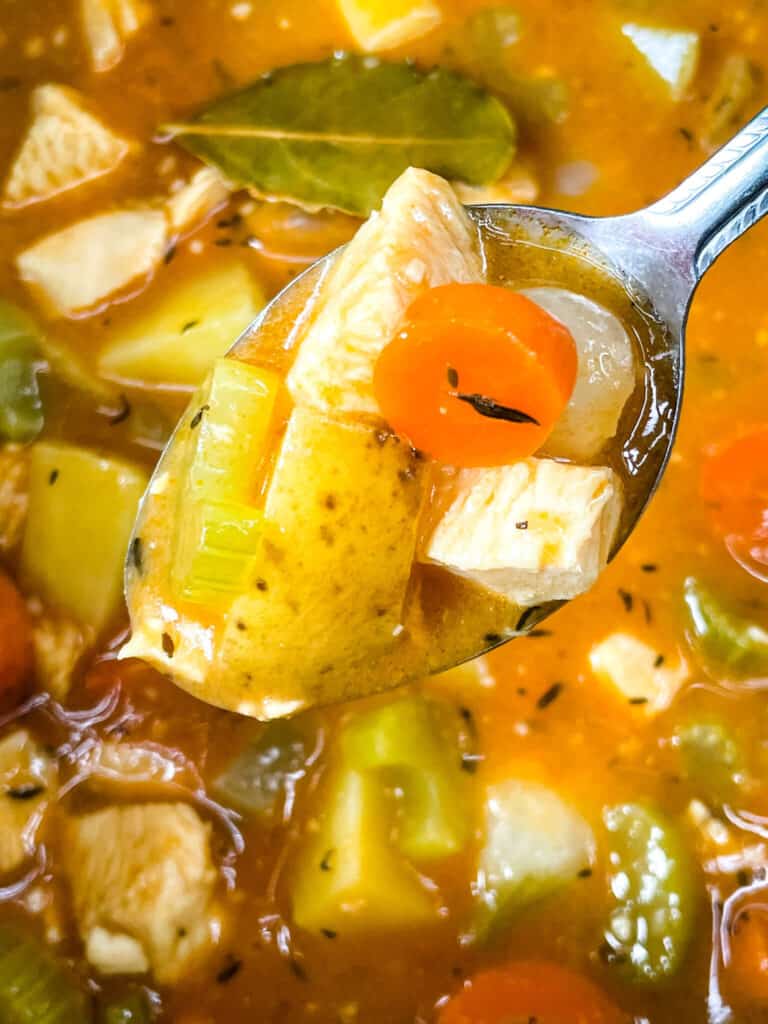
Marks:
<point>337,133</point>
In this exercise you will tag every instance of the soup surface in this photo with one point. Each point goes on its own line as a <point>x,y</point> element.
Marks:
<point>590,798</point>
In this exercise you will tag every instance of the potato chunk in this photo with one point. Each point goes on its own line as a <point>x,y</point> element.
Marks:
<point>535,531</point>
<point>421,238</point>
<point>339,542</point>
<point>108,24</point>
<point>384,24</point>
<point>142,881</point>
<point>64,146</point>
<point>633,667</point>
<point>84,264</point>
<point>27,776</point>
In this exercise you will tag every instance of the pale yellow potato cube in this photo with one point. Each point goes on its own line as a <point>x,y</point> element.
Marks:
<point>385,24</point>
<point>635,670</point>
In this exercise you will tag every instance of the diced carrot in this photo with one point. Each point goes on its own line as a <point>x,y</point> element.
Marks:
<point>476,375</point>
<point>531,990</point>
<point>747,972</point>
<point>16,650</point>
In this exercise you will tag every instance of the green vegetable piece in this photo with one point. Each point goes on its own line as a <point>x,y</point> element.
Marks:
<point>259,779</point>
<point>337,133</point>
<point>651,893</point>
<point>132,1008</point>
<point>35,985</point>
<point>21,408</point>
<point>672,53</point>
<point>712,756</point>
<point>82,506</point>
<point>217,551</point>
<point>535,844</point>
<point>721,636</point>
<point>402,742</point>
<point>726,108</point>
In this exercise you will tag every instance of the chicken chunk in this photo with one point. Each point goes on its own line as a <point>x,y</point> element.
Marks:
<point>84,264</point>
<point>634,669</point>
<point>108,24</point>
<point>65,146</point>
<point>536,531</point>
<point>205,191</point>
<point>14,495</point>
<point>420,239</point>
<point>27,778</point>
<point>60,644</point>
<point>142,880</point>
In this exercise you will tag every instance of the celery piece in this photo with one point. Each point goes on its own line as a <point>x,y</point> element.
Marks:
<point>176,341</point>
<point>35,986</point>
<point>216,551</point>
<point>81,510</point>
<point>21,409</point>
<point>232,424</point>
<point>349,877</point>
<point>535,844</point>
<point>712,756</point>
<point>672,53</point>
<point>131,1008</point>
<point>258,780</point>
<point>402,742</point>
<point>723,637</point>
<point>726,108</point>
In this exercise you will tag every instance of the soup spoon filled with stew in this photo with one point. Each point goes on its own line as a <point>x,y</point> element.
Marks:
<point>426,444</point>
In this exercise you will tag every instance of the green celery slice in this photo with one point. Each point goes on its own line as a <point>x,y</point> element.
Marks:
<point>712,756</point>
<point>217,550</point>
<point>35,986</point>
<point>21,408</point>
<point>721,636</point>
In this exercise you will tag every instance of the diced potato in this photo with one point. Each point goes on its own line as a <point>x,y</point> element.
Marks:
<point>81,510</point>
<point>536,531</point>
<point>65,145</point>
<point>385,24</point>
<point>108,24</point>
<point>142,881</point>
<point>84,264</point>
<point>518,185</point>
<point>535,844</point>
<point>175,341</point>
<point>27,777</point>
<point>205,191</point>
<point>348,877</point>
<point>672,53</point>
<point>310,611</point>
<point>14,495</point>
<point>60,644</point>
<point>606,375</point>
<point>420,239</point>
<point>635,669</point>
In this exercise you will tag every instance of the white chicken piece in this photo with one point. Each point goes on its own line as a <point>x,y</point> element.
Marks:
<point>205,191</point>
<point>379,25</point>
<point>59,643</point>
<point>65,146</point>
<point>637,671</point>
<point>108,24</point>
<point>606,373</point>
<point>536,531</point>
<point>421,238</point>
<point>27,776</point>
<point>82,265</point>
<point>142,881</point>
<point>14,495</point>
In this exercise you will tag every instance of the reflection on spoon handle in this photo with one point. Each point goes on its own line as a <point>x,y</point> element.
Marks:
<point>722,199</point>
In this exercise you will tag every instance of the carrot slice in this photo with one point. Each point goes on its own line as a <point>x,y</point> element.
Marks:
<point>476,375</point>
<point>531,990</point>
<point>16,652</point>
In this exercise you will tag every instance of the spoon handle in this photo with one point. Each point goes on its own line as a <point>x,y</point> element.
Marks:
<point>719,201</point>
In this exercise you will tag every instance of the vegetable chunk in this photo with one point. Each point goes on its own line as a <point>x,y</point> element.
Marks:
<point>672,54</point>
<point>635,669</point>
<point>36,986</point>
<point>27,777</point>
<point>142,880</point>
<point>108,24</point>
<point>84,264</point>
<point>65,146</point>
<point>421,238</point>
<point>385,24</point>
<point>535,531</point>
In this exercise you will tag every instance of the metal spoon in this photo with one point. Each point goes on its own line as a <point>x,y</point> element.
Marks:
<point>658,254</point>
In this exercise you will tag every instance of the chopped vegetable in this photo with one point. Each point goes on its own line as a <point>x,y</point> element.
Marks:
<point>16,651</point>
<point>108,25</point>
<point>349,877</point>
<point>652,898</point>
<point>366,121</point>
<point>726,109</point>
<point>262,777</point>
<point>216,552</point>
<point>476,375</point>
<point>712,756</point>
<point>378,25</point>
<point>638,671</point>
<point>21,409</point>
<point>35,985</point>
<point>402,744</point>
<point>673,54</point>
<point>175,342</point>
<point>81,510</point>
<point>530,991</point>
<point>27,784</point>
<point>535,843</point>
<point>132,1008</point>
<point>723,637</point>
